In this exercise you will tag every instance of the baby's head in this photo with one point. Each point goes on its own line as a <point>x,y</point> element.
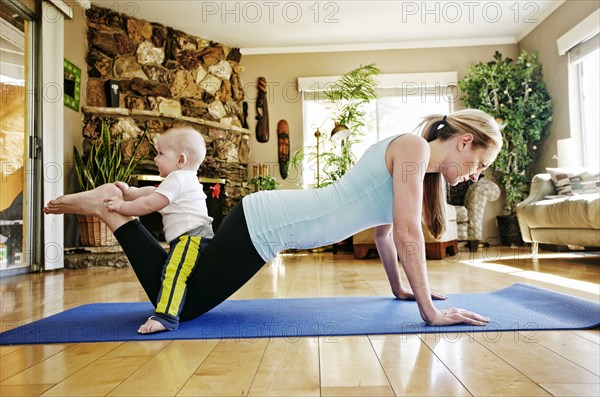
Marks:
<point>187,144</point>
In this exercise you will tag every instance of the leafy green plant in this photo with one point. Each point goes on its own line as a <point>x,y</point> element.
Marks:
<point>349,94</point>
<point>264,182</point>
<point>515,94</point>
<point>104,162</point>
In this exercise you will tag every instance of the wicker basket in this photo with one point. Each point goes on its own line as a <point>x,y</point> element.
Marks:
<point>94,233</point>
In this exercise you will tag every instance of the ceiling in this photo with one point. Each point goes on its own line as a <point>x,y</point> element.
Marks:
<point>260,27</point>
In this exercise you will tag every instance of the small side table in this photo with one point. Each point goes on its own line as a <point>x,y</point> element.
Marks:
<point>439,249</point>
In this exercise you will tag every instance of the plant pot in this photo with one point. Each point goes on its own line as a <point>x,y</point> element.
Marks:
<point>510,233</point>
<point>94,233</point>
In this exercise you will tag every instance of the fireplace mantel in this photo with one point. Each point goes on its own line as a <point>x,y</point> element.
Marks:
<point>149,114</point>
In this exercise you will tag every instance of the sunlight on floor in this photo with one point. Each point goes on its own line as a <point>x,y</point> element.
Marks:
<point>559,280</point>
<point>535,274</point>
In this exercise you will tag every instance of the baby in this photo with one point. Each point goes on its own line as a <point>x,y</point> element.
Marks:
<point>182,203</point>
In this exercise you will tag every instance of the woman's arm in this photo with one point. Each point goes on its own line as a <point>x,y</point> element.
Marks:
<point>408,162</point>
<point>389,257</point>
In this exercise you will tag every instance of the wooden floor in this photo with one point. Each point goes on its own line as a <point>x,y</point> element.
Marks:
<point>558,363</point>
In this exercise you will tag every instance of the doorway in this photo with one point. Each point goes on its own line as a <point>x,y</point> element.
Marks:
<point>16,126</point>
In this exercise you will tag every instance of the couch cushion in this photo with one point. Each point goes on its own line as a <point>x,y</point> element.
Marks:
<point>571,212</point>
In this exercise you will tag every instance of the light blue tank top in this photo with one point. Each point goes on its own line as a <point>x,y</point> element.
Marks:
<point>301,219</point>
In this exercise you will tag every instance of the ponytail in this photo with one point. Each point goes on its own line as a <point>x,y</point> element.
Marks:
<point>434,186</point>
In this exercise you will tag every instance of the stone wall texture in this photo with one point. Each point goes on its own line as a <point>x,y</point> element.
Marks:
<point>162,69</point>
<point>167,78</point>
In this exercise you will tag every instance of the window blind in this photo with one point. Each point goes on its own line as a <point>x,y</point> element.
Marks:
<point>577,53</point>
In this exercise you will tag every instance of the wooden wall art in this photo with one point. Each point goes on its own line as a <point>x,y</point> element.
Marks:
<point>283,146</point>
<point>245,115</point>
<point>262,111</point>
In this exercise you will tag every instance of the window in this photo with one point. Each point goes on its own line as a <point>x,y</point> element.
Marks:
<point>396,111</point>
<point>584,60</point>
<point>582,44</point>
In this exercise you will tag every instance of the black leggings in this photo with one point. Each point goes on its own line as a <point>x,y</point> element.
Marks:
<point>225,265</point>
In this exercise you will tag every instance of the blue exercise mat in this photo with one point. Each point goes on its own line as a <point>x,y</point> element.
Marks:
<point>519,307</point>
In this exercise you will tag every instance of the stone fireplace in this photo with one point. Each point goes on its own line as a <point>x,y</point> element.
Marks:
<point>166,77</point>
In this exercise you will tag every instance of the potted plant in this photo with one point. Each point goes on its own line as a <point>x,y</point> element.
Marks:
<point>514,93</point>
<point>104,163</point>
<point>349,94</point>
<point>264,182</point>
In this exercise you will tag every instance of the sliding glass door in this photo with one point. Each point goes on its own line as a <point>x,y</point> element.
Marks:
<point>17,107</point>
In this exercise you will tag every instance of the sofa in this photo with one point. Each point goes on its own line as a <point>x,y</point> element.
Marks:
<point>570,218</point>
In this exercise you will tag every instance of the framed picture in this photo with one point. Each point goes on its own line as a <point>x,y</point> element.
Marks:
<point>72,85</point>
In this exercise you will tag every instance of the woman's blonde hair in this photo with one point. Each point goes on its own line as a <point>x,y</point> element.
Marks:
<point>486,134</point>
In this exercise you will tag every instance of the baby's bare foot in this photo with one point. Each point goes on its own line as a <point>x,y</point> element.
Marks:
<point>151,326</point>
<point>90,202</point>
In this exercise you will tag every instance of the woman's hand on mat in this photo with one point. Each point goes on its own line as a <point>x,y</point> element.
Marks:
<point>456,316</point>
<point>407,295</point>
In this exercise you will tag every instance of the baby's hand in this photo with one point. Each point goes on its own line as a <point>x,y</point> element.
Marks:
<point>123,187</point>
<point>114,204</point>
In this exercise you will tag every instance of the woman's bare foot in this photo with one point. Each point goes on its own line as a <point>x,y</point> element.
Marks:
<point>151,326</point>
<point>90,202</point>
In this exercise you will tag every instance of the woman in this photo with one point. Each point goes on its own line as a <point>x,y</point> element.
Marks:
<point>396,183</point>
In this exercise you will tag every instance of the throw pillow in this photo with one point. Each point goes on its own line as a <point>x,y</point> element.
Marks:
<point>590,183</point>
<point>568,181</point>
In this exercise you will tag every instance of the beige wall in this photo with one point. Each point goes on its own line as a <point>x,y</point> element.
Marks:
<point>543,40</point>
<point>75,32</point>
<point>75,51</point>
<point>282,72</point>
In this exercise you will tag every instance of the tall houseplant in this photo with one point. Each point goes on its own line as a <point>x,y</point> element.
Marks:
<point>349,95</point>
<point>514,93</point>
<point>103,163</point>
